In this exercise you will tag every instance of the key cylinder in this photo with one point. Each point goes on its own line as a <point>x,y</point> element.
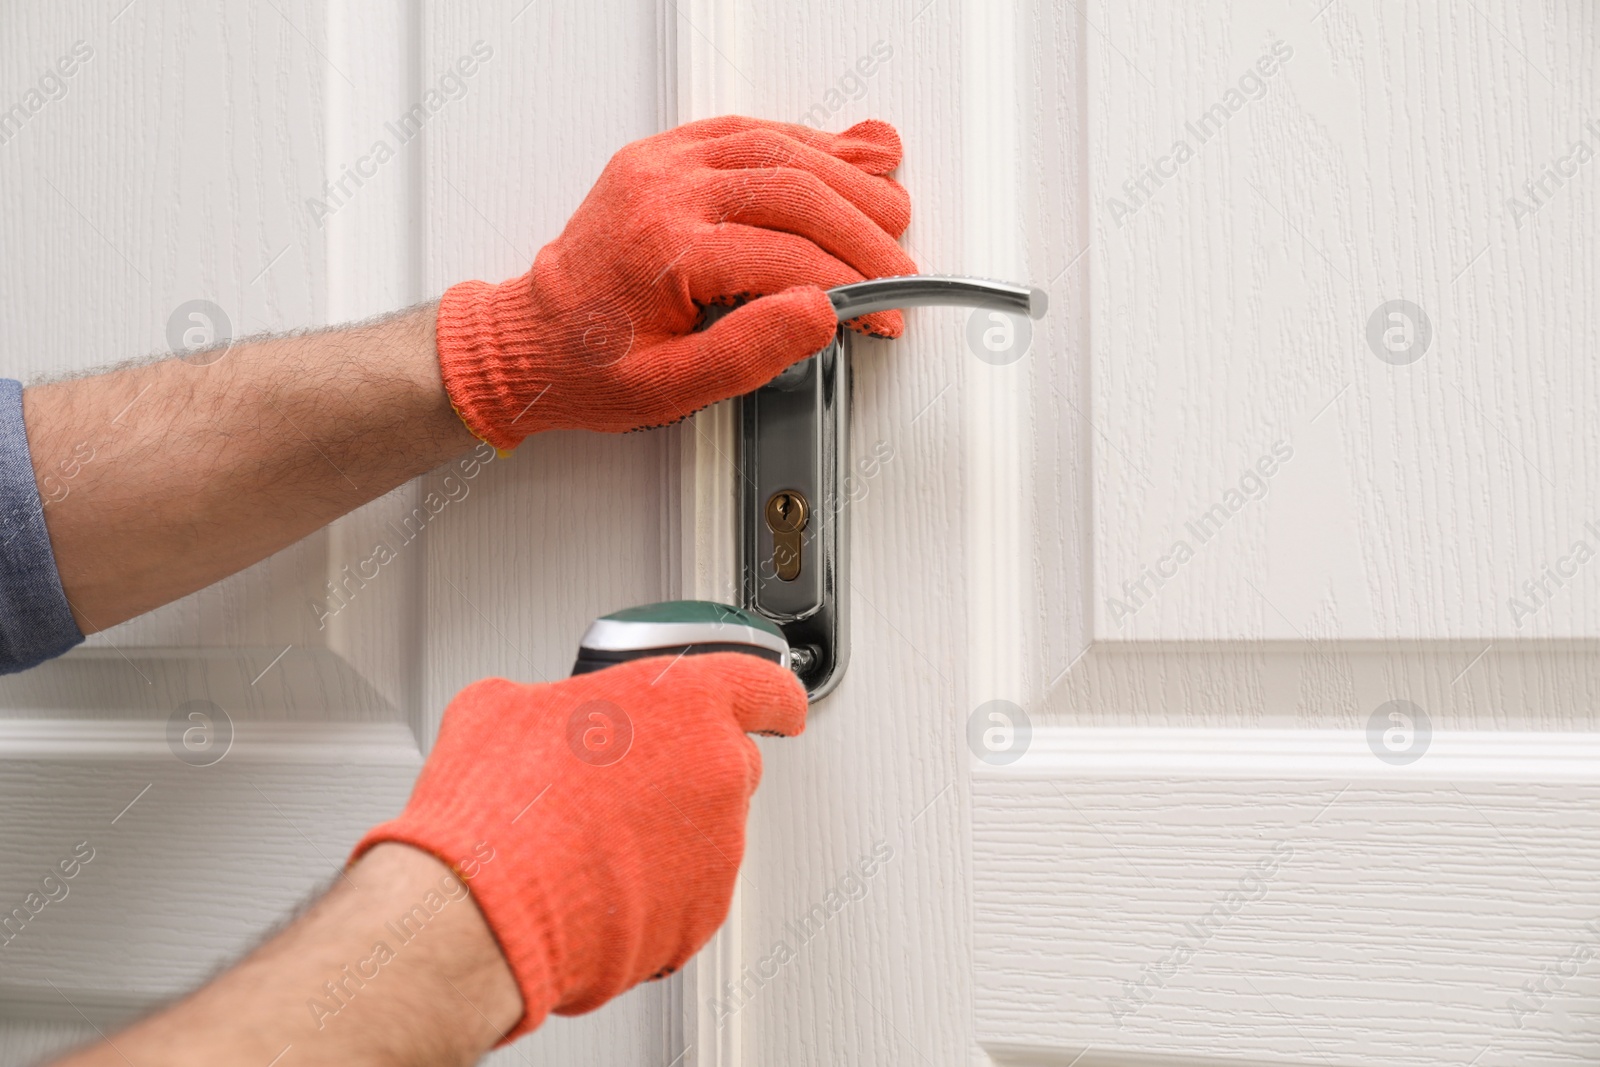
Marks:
<point>787,513</point>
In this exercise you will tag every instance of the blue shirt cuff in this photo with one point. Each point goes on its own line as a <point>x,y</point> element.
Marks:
<point>36,623</point>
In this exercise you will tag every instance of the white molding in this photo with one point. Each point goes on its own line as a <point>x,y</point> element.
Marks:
<point>1209,753</point>
<point>375,265</point>
<point>126,741</point>
<point>708,79</point>
<point>701,39</point>
<point>997,476</point>
<point>996,429</point>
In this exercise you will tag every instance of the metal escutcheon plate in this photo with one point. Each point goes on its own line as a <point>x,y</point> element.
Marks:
<point>794,438</point>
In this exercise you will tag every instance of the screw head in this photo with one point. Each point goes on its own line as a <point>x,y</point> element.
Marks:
<point>802,658</point>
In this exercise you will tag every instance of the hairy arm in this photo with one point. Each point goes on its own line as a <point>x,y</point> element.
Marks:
<point>158,480</point>
<point>394,966</point>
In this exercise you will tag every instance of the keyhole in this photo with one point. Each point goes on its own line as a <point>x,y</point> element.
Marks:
<point>786,518</point>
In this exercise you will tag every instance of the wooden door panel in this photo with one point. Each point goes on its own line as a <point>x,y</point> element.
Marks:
<point>181,865</point>
<point>138,189</point>
<point>1280,896</point>
<point>1265,184</point>
<point>1356,529</point>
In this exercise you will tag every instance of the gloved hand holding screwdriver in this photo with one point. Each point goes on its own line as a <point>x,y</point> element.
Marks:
<point>521,878</point>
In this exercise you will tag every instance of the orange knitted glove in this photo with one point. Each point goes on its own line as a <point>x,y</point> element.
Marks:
<point>599,821</point>
<point>600,333</point>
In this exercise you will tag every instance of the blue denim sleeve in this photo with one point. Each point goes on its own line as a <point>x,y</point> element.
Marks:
<point>35,621</point>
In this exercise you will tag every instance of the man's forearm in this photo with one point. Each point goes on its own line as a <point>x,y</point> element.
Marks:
<point>160,479</point>
<point>395,966</point>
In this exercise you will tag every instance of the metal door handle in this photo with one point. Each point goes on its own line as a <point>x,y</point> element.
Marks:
<point>794,456</point>
<point>931,290</point>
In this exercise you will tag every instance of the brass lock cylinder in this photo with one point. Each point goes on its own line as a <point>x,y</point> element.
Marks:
<point>787,513</point>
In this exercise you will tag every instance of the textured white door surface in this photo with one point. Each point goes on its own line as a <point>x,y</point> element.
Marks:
<point>1274,548</point>
<point>1224,670</point>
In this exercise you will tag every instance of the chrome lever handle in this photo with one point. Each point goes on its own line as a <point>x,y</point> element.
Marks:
<point>930,290</point>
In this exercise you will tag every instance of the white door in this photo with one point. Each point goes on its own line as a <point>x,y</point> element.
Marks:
<point>1294,584</point>
<point>1316,788</point>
